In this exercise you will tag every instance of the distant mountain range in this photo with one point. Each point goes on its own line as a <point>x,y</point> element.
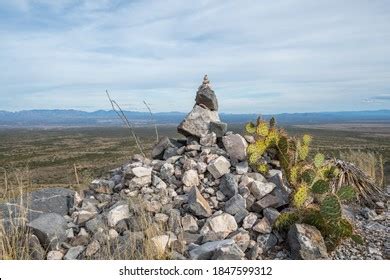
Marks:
<point>66,118</point>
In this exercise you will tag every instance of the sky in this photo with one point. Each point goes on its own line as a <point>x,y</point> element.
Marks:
<point>261,56</point>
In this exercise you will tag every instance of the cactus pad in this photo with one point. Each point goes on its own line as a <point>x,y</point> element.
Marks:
<point>330,207</point>
<point>346,193</point>
<point>320,187</point>
<point>250,128</point>
<point>319,160</point>
<point>300,196</point>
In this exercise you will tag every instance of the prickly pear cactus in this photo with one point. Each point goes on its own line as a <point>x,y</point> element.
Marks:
<point>330,207</point>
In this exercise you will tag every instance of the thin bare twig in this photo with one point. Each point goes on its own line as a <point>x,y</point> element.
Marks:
<point>118,110</point>
<point>76,175</point>
<point>153,119</point>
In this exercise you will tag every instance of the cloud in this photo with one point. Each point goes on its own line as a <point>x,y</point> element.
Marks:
<point>268,56</point>
<point>382,97</point>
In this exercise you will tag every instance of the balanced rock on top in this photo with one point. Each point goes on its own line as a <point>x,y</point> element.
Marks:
<point>204,113</point>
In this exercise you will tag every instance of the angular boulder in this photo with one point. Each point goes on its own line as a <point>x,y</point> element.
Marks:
<point>235,204</point>
<point>197,204</point>
<point>221,225</point>
<point>228,185</point>
<point>36,203</point>
<point>197,122</point>
<point>228,252</point>
<point>235,146</point>
<point>206,250</point>
<point>50,228</point>
<point>219,167</point>
<point>306,243</point>
<point>159,149</point>
<point>190,178</point>
<point>117,214</point>
<point>206,96</point>
<point>219,128</point>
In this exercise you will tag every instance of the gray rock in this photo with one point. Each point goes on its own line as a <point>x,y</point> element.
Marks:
<point>161,218</point>
<point>219,128</point>
<point>208,139</point>
<point>228,252</point>
<point>271,214</point>
<point>235,204</point>
<point>235,146</point>
<point>368,213</point>
<point>197,122</point>
<point>160,147</point>
<point>219,167</point>
<point>206,97</point>
<point>241,238</point>
<point>228,185</point>
<point>266,241</point>
<point>167,171</point>
<point>259,189</point>
<point>95,224</point>
<point>74,252</point>
<point>263,226</point>
<point>249,221</point>
<point>306,242</point>
<point>242,167</point>
<point>197,204</point>
<point>206,250</point>
<point>170,152</point>
<point>84,215</point>
<point>174,221</point>
<point>36,203</point>
<point>241,214</point>
<point>267,201</point>
<point>50,228</point>
<point>189,223</point>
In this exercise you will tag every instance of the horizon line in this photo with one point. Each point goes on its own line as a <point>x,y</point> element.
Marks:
<point>167,112</point>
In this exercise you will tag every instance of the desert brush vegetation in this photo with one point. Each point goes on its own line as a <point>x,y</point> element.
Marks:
<point>261,193</point>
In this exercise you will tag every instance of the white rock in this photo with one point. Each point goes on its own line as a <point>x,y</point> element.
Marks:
<point>167,171</point>
<point>55,255</point>
<point>117,214</point>
<point>190,178</point>
<point>242,167</point>
<point>113,234</point>
<point>142,171</point>
<point>222,225</point>
<point>263,226</point>
<point>259,189</point>
<point>219,167</point>
<point>160,242</point>
<point>249,221</point>
<point>189,223</point>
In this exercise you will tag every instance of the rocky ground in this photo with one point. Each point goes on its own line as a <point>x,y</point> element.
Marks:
<point>195,198</point>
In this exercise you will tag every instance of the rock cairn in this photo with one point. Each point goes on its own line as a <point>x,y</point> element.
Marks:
<point>200,192</point>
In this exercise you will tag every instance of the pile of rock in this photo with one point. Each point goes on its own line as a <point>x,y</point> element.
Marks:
<point>199,191</point>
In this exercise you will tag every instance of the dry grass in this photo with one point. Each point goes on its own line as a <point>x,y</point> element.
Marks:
<point>369,162</point>
<point>138,245</point>
<point>15,238</point>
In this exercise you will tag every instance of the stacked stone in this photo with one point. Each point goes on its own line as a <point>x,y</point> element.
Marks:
<point>200,190</point>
